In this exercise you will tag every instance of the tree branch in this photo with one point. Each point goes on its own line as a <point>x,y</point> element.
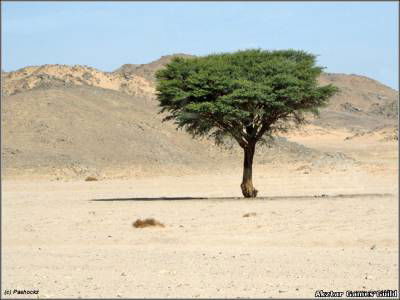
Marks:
<point>231,129</point>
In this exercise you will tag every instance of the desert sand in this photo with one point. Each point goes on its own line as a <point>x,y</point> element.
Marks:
<point>76,239</point>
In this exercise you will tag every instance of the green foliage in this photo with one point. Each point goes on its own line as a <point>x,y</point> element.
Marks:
<point>244,95</point>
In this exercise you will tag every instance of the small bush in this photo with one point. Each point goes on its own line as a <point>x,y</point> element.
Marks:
<point>91,178</point>
<point>147,223</point>
<point>252,214</point>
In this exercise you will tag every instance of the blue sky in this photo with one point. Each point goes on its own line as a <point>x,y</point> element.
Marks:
<point>354,38</point>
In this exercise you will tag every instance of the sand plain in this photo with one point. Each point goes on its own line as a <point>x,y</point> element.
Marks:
<point>317,231</point>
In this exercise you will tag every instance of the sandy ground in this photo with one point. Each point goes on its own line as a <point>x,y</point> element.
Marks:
<point>58,241</point>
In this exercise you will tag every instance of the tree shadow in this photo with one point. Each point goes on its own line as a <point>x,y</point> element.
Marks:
<point>165,198</point>
<point>271,198</point>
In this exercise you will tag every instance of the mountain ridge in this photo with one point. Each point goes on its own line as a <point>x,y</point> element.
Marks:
<point>357,95</point>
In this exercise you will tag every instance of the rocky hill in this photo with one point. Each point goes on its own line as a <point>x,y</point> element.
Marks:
<point>49,76</point>
<point>69,121</point>
<point>362,103</point>
<point>148,70</point>
<point>360,98</point>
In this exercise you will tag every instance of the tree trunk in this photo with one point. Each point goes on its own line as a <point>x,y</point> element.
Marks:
<point>248,189</point>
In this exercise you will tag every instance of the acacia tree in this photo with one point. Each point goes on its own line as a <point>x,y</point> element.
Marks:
<point>247,96</point>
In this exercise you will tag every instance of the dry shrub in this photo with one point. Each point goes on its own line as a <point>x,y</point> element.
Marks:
<point>252,214</point>
<point>147,223</point>
<point>91,178</point>
<point>304,168</point>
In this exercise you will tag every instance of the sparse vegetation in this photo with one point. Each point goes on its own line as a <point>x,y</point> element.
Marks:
<point>150,222</point>
<point>91,178</point>
<point>252,214</point>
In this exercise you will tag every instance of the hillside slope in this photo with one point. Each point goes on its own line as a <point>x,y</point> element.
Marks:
<point>77,121</point>
<point>83,130</point>
<point>362,103</point>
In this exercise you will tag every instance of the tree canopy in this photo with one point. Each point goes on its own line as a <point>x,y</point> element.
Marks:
<point>246,95</point>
